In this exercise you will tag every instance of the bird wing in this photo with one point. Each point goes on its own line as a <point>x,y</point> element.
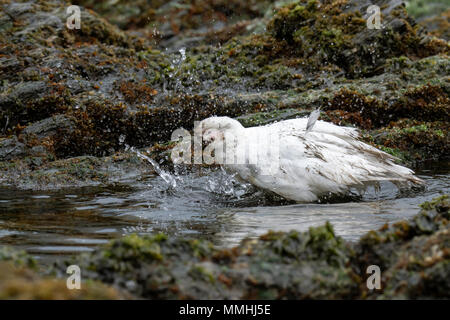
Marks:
<point>328,159</point>
<point>300,125</point>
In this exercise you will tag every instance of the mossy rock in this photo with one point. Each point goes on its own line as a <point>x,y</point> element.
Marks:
<point>24,284</point>
<point>310,265</point>
<point>336,32</point>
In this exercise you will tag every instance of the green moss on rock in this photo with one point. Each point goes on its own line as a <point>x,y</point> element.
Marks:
<point>311,265</point>
<point>20,283</point>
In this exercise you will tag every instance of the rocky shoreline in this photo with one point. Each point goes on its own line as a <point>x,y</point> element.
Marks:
<point>72,101</point>
<point>70,94</point>
<point>413,257</point>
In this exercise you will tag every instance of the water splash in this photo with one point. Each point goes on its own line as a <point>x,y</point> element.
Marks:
<point>167,177</point>
<point>226,184</point>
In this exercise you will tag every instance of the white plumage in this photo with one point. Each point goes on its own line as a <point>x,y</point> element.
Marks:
<point>329,159</point>
<point>312,120</point>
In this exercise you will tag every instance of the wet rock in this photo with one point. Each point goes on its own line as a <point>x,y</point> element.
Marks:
<point>414,141</point>
<point>10,101</point>
<point>17,258</point>
<point>25,284</point>
<point>439,25</point>
<point>412,255</point>
<point>35,140</point>
<point>336,32</point>
<point>71,100</point>
<point>421,9</point>
<point>292,265</point>
<point>49,126</point>
<point>434,15</point>
<point>178,24</point>
<point>11,149</point>
<point>427,103</point>
<point>263,118</point>
<point>44,173</point>
<point>113,83</point>
<point>40,71</point>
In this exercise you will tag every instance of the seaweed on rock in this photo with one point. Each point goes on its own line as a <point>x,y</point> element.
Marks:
<point>413,256</point>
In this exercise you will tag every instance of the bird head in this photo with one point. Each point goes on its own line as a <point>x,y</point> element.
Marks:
<point>214,128</point>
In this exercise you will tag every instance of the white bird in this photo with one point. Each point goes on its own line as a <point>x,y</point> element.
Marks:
<point>328,160</point>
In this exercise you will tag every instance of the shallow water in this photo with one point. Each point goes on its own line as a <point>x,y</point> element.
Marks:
<point>210,205</point>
